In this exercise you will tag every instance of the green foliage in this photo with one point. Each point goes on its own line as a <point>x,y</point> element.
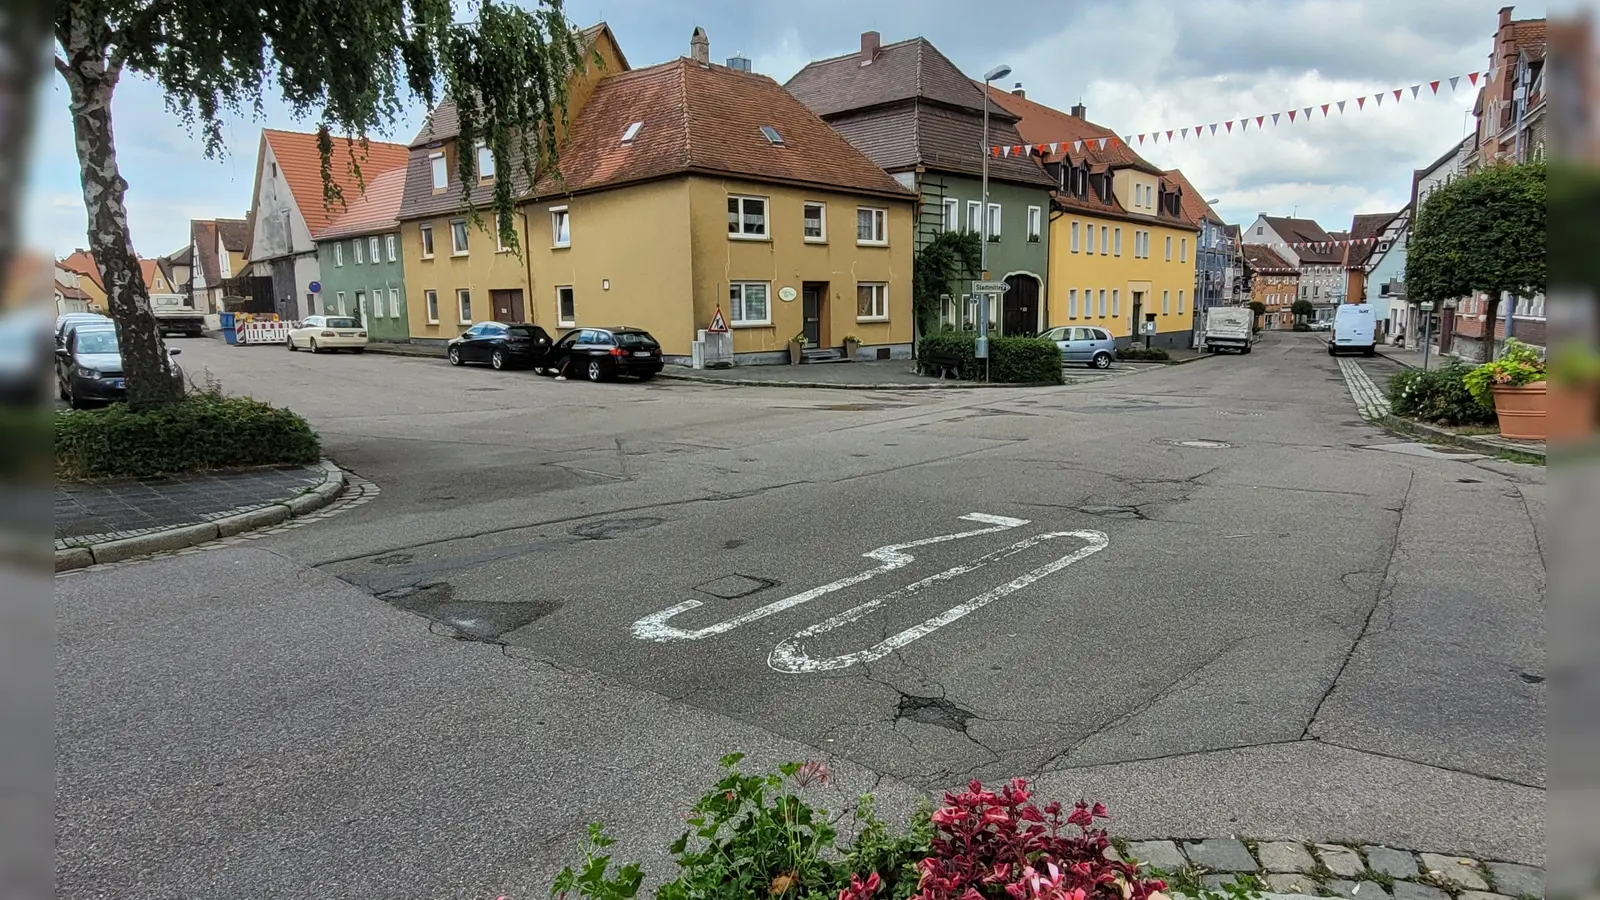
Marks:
<point>1012,360</point>
<point>1574,362</point>
<point>893,856</point>
<point>591,879</point>
<point>26,443</point>
<point>1302,309</point>
<point>950,257</point>
<point>1484,231</point>
<point>1518,365</point>
<point>1574,229</point>
<point>1259,308</point>
<point>202,431</point>
<point>1137,352</point>
<point>1437,395</point>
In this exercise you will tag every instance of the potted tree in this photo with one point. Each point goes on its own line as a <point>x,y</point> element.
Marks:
<point>1514,387</point>
<point>797,347</point>
<point>851,345</point>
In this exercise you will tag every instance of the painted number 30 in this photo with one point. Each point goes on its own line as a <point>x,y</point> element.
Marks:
<point>791,655</point>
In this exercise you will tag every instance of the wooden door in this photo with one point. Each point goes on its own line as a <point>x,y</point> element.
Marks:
<point>1020,306</point>
<point>507,306</point>
<point>813,297</point>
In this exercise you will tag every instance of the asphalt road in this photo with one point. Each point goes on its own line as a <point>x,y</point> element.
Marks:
<point>1209,595</point>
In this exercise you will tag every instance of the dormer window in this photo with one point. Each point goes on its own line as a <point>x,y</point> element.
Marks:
<point>772,135</point>
<point>631,132</point>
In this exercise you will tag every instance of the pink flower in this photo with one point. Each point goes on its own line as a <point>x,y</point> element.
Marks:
<point>813,772</point>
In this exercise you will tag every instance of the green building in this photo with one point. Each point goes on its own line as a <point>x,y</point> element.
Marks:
<point>360,257</point>
<point>911,111</point>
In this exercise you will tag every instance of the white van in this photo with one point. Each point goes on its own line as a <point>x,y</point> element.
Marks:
<point>1354,330</point>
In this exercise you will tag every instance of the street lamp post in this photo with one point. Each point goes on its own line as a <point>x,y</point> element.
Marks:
<point>999,71</point>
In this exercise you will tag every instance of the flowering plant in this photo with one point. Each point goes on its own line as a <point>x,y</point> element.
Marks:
<point>1518,365</point>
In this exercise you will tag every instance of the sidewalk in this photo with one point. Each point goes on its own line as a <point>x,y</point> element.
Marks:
<point>1411,357</point>
<point>109,521</point>
<point>869,375</point>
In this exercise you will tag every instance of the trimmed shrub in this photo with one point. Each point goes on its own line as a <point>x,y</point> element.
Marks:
<point>1438,395</point>
<point>1012,360</point>
<point>1152,354</point>
<point>202,431</point>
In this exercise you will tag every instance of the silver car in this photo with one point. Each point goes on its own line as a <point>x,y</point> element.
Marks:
<point>1094,347</point>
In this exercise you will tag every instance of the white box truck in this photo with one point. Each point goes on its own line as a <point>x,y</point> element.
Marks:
<point>1354,330</point>
<point>174,315</point>
<point>1229,328</point>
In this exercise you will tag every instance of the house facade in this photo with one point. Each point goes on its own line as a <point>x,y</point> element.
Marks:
<point>1386,277</point>
<point>288,207</point>
<point>914,114</point>
<point>359,255</point>
<point>88,283</point>
<point>456,270</point>
<point>1322,269</point>
<point>1274,283</point>
<point>690,189</point>
<point>1510,105</point>
<point>217,249</point>
<point>1215,251</point>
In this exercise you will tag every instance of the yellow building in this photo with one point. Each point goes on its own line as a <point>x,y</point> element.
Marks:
<point>456,271</point>
<point>1122,248</point>
<point>689,188</point>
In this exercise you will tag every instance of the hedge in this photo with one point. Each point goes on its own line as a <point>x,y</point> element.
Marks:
<point>1154,354</point>
<point>1437,395</point>
<point>202,431</point>
<point>1012,360</point>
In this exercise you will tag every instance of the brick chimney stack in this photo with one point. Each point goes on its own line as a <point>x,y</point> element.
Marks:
<point>700,47</point>
<point>869,46</point>
<point>1080,111</point>
<point>1018,91</point>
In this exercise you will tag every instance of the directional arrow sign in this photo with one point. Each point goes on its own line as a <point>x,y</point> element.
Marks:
<point>990,287</point>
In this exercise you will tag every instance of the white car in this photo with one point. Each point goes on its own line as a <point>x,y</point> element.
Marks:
<point>319,333</point>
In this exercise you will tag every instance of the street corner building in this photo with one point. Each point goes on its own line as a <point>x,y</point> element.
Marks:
<point>359,257</point>
<point>1123,247</point>
<point>689,188</point>
<point>913,113</point>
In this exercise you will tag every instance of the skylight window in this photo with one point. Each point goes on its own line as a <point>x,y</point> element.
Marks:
<point>631,132</point>
<point>772,135</point>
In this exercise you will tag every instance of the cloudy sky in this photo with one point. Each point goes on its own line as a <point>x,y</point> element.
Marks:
<point>1139,65</point>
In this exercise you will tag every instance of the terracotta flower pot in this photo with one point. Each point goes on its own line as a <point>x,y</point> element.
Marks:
<point>1571,411</point>
<point>1521,411</point>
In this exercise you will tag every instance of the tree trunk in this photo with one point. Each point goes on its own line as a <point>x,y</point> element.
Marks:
<point>91,80</point>
<point>1488,326</point>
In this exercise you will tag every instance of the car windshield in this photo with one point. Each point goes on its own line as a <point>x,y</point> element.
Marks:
<point>526,331</point>
<point>97,341</point>
<point>341,323</point>
<point>634,339</point>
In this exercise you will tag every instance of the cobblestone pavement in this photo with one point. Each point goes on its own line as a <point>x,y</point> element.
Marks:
<point>1370,400</point>
<point>89,513</point>
<point>1360,872</point>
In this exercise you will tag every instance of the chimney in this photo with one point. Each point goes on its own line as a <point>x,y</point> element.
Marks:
<point>869,46</point>
<point>1018,91</point>
<point>1080,111</point>
<point>700,47</point>
<point>1505,16</point>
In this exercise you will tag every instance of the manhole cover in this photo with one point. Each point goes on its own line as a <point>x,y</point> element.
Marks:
<point>1204,444</point>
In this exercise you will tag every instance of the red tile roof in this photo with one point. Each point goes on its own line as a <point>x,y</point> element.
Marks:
<point>1040,124</point>
<point>1261,258</point>
<point>700,118</point>
<point>1195,207</point>
<point>1367,225</point>
<point>1529,35</point>
<point>301,166</point>
<point>373,211</point>
<point>148,270</point>
<point>1306,231</point>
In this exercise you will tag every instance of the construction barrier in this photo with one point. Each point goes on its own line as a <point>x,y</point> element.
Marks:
<point>264,332</point>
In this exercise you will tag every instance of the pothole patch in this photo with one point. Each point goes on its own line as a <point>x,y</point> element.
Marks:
<point>466,620</point>
<point>612,528</point>
<point>732,587</point>
<point>935,711</point>
<point>1113,512</point>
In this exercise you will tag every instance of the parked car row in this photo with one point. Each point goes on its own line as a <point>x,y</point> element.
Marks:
<point>598,354</point>
<point>89,361</point>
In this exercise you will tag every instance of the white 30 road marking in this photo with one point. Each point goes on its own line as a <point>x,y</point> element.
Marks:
<point>654,627</point>
<point>790,655</point>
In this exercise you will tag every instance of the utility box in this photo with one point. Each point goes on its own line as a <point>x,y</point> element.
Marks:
<point>713,350</point>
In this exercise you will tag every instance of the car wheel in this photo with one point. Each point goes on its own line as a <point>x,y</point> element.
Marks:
<point>1370,351</point>
<point>646,376</point>
<point>596,372</point>
<point>314,346</point>
<point>498,359</point>
<point>1330,350</point>
<point>1101,360</point>
<point>289,342</point>
<point>455,356</point>
<point>61,389</point>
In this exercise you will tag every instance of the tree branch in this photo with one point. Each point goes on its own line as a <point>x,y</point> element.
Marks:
<point>63,68</point>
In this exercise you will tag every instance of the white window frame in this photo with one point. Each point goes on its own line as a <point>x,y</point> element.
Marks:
<point>974,217</point>
<point>880,291</point>
<point>822,219</point>
<point>338,302</point>
<point>557,214</point>
<point>1088,248</point>
<point>952,214</point>
<point>361,305</point>
<point>338,254</point>
<point>1166,302</point>
<point>355,251</point>
<point>1072,303</point>
<point>736,313</point>
<point>430,303</point>
<point>1035,224</point>
<point>996,216</point>
<point>880,226</point>
<point>500,242</point>
<point>394,303</point>
<point>1116,242</point>
<point>1074,235</point>
<point>1105,240</point>
<point>375,250</point>
<point>465,245</point>
<point>1180,303</point>
<point>1102,303</point>
<point>390,248</point>
<point>766,219</point>
<point>425,238</point>
<point>485,162</point>
<point>440,171</point>
<point>1116,302</point>
<point>566,321</point>
<point>1183,250</point>
<point>464,310</point>
<point>1169,248</point>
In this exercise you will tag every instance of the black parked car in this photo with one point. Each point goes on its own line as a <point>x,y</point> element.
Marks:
<point>65,324</point>
<point>600,354</point>
<point>501,345</point>
<point>89,367</point>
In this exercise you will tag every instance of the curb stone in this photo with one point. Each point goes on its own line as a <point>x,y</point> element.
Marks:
<point>1422,429</point>
<point>829,386</point>
<point>183,536</point>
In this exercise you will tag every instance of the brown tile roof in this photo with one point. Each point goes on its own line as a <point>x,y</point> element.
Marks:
<point>1529,35</point>
<point>235,233</point>
<point>700,118</point>
<point>82,262</point>
<point>1306,231</point>
<point>912,107</point>
<point>374,211</point>
<point>1040,124</point>
<point>1367,225</point>
<point>1261,258</point>
<point>204,234</point>
<point>301,166</point>
<point>1195,207</point>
